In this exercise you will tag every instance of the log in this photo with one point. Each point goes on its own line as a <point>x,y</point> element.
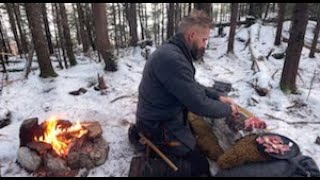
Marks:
<point>261,80</point>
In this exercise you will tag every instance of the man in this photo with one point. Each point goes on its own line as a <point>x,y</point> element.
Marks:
<point>168,89</point>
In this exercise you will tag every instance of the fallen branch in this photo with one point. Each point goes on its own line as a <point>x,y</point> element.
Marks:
<point>291,123</point>
<point>311,83</point>
<point>120,97</point>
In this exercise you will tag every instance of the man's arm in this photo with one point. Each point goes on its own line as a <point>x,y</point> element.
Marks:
<point>177,77</point>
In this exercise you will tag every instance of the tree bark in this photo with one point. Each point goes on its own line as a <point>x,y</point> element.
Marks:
<point>132,20</point>
<point>295,44</point>
<point>22,33</point>
<point>88,16</point>
<point>4,46</point>
<point>140,10</point>
<point>170,25</point>
<point>233,20</point>
<point>46,26</point>
<point>83,32</point>
<point>61,37</point>
<point>33,11</point>
<point>74,13</point>
<point>281,12</point>
<point>67,36</point>
<point>315,38</point>
<point>114,12</point>
<point>103,43</point>
<point>9,7</point>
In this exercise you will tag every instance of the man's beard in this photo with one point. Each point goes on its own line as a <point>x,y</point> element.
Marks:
<point>197,52</point>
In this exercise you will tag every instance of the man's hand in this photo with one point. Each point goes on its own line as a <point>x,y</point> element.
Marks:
<point>232,103</point>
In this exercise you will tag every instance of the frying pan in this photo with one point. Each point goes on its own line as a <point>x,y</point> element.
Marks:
<point>289,155</point>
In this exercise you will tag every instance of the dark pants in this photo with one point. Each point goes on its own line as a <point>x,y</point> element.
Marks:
<point>194,161</point>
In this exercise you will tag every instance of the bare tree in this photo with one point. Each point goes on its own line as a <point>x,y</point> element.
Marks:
<point>12,19</point>
<point>33,11</point>
<point>21,29</point>
<point>140,10</point>
<point>67,36</point>
<point>74,13</point>
<point>103,43</point>
<point>295,44</point>
<point>46,26</point>
<point>170,25</point>
<point>315,38</point>
<point>131,14</point>
<point>281,12</point>
<point>233,25</point>
<point>83,32</point>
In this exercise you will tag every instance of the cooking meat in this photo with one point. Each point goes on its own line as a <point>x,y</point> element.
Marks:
<point>273,144</point>
<point>254,122</point>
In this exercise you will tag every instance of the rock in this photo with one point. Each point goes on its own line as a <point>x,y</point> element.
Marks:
<point>54,164</point>
<point>99,155</point>
<point>73,160</point>
<point>28,159</point>
<point>28,129</point>
<point>40,147</point>
<point>94,129</point>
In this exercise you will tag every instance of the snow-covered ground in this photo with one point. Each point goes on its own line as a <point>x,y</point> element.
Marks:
<point>42,98</point>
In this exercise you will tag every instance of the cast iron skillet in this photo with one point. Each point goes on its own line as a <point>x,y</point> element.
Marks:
<point>289,155</point>
<point>293,152</point>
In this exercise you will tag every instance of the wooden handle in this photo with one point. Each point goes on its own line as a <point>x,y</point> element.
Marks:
<point>164,157</point>
<point>246,112</point>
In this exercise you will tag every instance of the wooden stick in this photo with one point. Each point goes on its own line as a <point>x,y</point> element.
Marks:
<point>145,140</point>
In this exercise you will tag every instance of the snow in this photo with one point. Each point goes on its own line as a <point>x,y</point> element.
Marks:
<point>42,98</point>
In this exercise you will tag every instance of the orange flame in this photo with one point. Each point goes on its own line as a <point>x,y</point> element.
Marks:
<point>60,138</point>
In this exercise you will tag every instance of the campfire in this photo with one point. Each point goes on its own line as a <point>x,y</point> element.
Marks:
<point>60,148</point>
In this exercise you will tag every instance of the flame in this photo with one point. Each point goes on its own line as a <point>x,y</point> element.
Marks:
<point>60,138</point>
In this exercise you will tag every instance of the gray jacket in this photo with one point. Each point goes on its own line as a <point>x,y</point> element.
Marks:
<point>168,88</point>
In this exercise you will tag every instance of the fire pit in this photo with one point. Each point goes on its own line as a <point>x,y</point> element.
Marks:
<point>60,148</point>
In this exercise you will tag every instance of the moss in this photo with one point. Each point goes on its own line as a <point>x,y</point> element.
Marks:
<point>206,139</point>
<point>245,150</point>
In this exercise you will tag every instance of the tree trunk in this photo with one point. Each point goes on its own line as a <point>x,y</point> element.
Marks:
<point>162,21</point>
<point>103,43</point>
<point>170,25</point>
<point>33,11</point>
<point>189,8</point>
<point>315,38</point>
<point>281,12</point>
<point>114,12</point>
<point>176,17</point>
<point>88,15</point>
<point>146,21</point>
<point>132,20</point>
<point>267,10</point>
<point>74,13</point>
<point>83,32</point>
<point>207,7</point>
<point>121,29</point>
<point>67,36</point>
<point>295,44</point>
<point>22,33</point>
<point>62,43</point>
<point>57,46</point>
<point>46,26</point>
<point>233,20</point>
<point>9,7</point>
<point>4,46</point>
<point>140,10</point>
